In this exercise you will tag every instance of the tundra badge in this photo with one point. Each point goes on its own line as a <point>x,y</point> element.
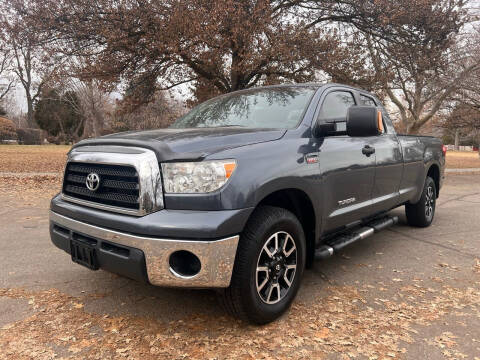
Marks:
<point>347,201</point>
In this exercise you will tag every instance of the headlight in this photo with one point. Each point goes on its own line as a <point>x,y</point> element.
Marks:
<point>196,177</point>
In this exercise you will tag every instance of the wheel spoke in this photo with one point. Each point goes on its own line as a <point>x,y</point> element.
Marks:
<point>270,292</point>
<point>262,285</point>
<point>276,243</point>
<point>285,278</point>
<point>262,268</point>
<point>429,210</point>
<point>277,286</point>
<point>267,250</point>
<point>286,252</point>
<point>429,192</point>
<point>289,252</point>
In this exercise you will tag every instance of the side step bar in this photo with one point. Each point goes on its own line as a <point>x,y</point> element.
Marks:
<point>334,245</point>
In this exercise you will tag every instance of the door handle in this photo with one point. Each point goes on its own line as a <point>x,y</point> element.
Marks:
<point>368,150</point>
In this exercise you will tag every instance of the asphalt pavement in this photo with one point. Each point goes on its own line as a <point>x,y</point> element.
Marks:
<point>404,293</point>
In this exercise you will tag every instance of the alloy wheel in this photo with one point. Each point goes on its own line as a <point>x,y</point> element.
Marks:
<point>429,202</point>
<point>276,267</point>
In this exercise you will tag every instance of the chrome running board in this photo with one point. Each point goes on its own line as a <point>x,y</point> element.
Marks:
<point>334,245</point>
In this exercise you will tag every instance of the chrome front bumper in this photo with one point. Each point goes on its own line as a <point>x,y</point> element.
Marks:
<point>216,257</point>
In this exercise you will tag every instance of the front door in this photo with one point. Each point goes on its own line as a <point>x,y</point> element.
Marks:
<point>347,169</point>
<point>389,163</point>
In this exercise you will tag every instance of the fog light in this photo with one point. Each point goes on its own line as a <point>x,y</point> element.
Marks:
<point>184,264</point>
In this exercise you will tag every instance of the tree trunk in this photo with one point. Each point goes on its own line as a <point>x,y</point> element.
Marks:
<point>457,139</point>
<point>413,130</point>
<point>30,120</point>
<point>478,142</point>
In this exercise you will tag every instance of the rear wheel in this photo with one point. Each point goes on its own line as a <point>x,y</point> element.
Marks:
<point>268,267</point>
<point>421,214</point>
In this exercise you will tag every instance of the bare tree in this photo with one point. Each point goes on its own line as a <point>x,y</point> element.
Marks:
<point>425,72</point>
<point>463,116</point>
<point>419,93</point>
<point>412,48</point>
<point>32,65</point>
<point>408,53</point>
<point>469,94</point>
<point>150,46</point>
<point>94,105</point>
<point>463,121</point>
<point>6,80</point>
<point>159,113</point>
<point>24,63</point>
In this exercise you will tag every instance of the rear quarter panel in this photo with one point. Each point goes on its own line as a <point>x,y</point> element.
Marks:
<point>419,153</point>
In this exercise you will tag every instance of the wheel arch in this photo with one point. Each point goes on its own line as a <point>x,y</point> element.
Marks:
<point>300,204</point>
<point>434,173</point>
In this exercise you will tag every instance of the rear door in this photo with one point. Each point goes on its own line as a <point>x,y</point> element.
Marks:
<point>347,173</point>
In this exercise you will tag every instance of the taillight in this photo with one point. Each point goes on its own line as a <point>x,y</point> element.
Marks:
<point>444,150</point>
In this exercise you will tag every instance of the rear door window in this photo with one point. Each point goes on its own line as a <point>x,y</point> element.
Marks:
<point>367,100</point>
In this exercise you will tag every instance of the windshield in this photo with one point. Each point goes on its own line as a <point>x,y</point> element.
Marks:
<point>268,108</point>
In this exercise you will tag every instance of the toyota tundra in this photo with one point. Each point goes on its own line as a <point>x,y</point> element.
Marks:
<point>244,192</point>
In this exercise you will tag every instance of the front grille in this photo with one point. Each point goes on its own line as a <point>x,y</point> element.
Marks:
<point>118,184</point>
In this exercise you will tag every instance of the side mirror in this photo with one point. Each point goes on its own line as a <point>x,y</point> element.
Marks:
<point>364,121</point>
<point>325,129</point>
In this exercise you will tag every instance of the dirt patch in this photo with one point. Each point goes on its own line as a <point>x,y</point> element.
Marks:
<point>19,165</point>
<point>462,160</point>
<point>30,189</point>
<point>33,158</point>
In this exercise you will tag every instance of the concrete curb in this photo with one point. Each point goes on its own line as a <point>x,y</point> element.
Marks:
<point>29,174</point>
<point>462,170</point>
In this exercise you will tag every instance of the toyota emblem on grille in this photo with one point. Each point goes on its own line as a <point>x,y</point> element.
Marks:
<point>92,182</point>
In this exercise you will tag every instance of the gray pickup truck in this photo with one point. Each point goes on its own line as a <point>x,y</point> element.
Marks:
<point>244,192</point>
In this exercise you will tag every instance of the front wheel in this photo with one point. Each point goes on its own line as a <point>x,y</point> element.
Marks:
<point>268,267</point>
<point>421,214</point>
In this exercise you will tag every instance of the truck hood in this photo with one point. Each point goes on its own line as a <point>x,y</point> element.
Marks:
<point>187,144</point>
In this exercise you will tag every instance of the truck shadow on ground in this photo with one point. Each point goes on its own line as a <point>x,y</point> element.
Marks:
<point>117,296</point>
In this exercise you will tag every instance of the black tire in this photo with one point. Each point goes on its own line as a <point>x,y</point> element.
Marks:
<point>421,214</point>
<point>241,299</point>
